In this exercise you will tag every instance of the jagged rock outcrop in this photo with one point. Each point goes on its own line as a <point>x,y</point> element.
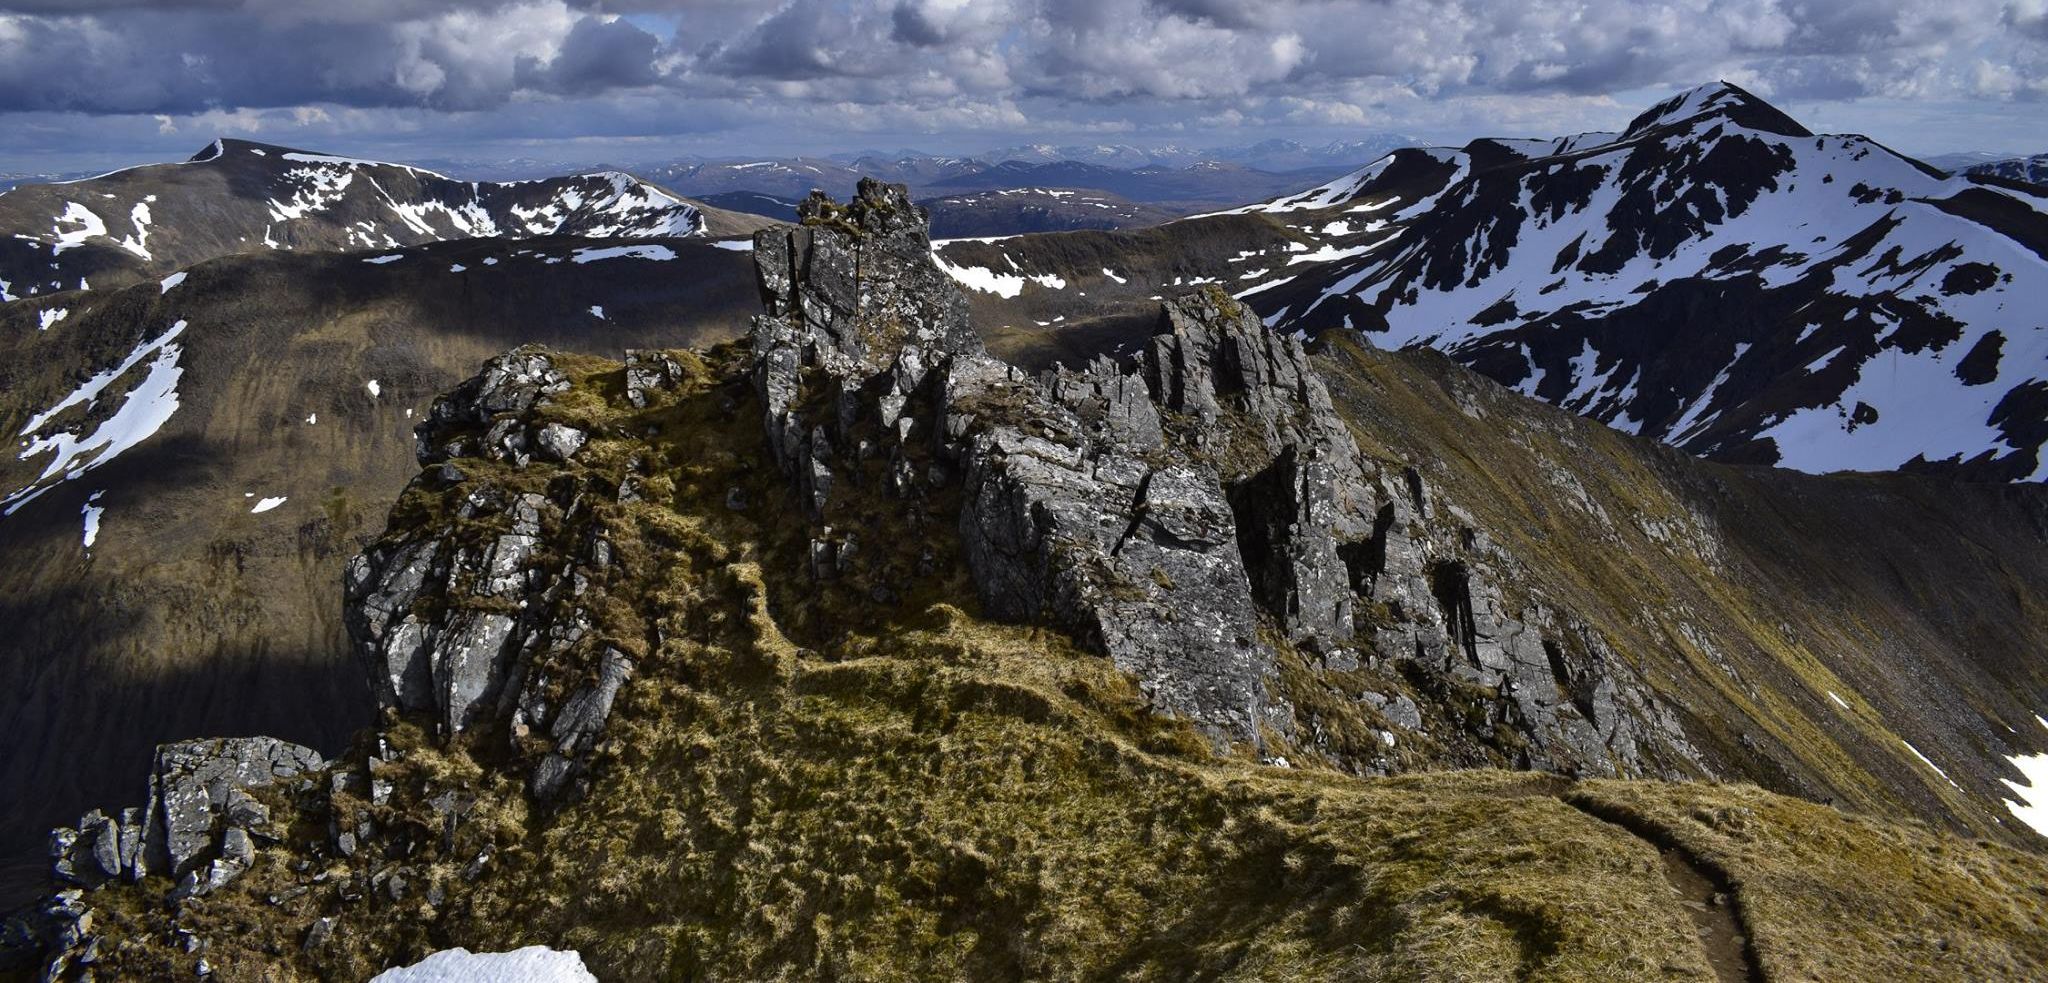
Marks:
<point>1137,557</point>
<point>495,400</point>
<point>196,825</point>
<point>853,299</point>
<point>480,632</point>
<point>199,829</point>
<point>1166,509</point>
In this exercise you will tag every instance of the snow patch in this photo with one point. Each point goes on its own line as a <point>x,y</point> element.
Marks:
<point>597,311</point>
<point>375,389</point>
<point>987,281</point>
<point>2031,806</point>
<point>533,964</point>
<point>736,245</point>
<point>89,225</point>
<point>138,243</point>
<point>91,515</point>
<point>1930,764</point>
<point>381,260</point>
<point>88,391</point>
<point>46,318</point>
<point>267,504</point>
<point>647,252</point>
<point>171,281</point>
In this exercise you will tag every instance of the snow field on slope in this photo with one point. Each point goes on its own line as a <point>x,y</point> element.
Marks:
<point>144,409</point>
<point>2032,805</point>
<point>1932,413</point>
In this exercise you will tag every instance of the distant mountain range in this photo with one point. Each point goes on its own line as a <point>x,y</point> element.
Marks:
<point>1016,211</point>
<point>1715,276</point>
<point>1174,186</point>
<point>2033,170</point>
<point>235,196</point>
<point>1001,212</point>
<point>1266,155</point>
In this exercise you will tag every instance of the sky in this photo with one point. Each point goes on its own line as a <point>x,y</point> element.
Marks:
<point>86,84</point>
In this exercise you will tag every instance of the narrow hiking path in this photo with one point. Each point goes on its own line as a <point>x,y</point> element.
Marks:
<point>1705,893</point>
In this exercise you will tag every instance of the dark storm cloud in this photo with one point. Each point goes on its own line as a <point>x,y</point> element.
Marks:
<point>1234,14</point>
<point>596,56</point>
<point>911,26</point>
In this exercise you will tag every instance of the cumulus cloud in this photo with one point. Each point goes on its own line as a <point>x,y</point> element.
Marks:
<point>916,65</point>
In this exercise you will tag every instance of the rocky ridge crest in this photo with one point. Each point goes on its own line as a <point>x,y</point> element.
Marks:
<point>1198,513</point>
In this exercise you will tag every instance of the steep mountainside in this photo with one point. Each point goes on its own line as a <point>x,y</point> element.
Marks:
<point>197,458</point>
<point>1715,277</point>
<point>852,651</point>
<point>240,197</point>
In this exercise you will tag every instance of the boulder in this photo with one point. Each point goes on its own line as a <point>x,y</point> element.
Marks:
<point>195,827</point>
<point>559,442</point>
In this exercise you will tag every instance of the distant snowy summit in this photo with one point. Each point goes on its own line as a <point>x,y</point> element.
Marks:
<point>235,196</point>
<point>2033,170</point>
<point>1715,276</point>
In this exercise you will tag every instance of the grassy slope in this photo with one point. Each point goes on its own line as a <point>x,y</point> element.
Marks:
<point>193,616</point>
<point>1748,595</point>
<point>803,783</point>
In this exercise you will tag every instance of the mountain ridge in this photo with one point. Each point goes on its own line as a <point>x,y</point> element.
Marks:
<point>239,196</point>
<point>1559,267</point>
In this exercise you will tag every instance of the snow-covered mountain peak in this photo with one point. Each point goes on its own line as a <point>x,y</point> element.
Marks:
<point>1716,276</point>
<point>1722,100</point>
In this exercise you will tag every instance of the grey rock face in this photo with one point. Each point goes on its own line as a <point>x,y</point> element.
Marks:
<point>193,784</point>
<point>493,401</point>
<point>1287,524</point>
<point>853,297</point>
<point>58,930</point>
<point>579,724</point>
<point>1164,511</point>
<point>648,371</point>
<point>196,826</point>
<point>471,630</point>
<point>1141,564</point>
